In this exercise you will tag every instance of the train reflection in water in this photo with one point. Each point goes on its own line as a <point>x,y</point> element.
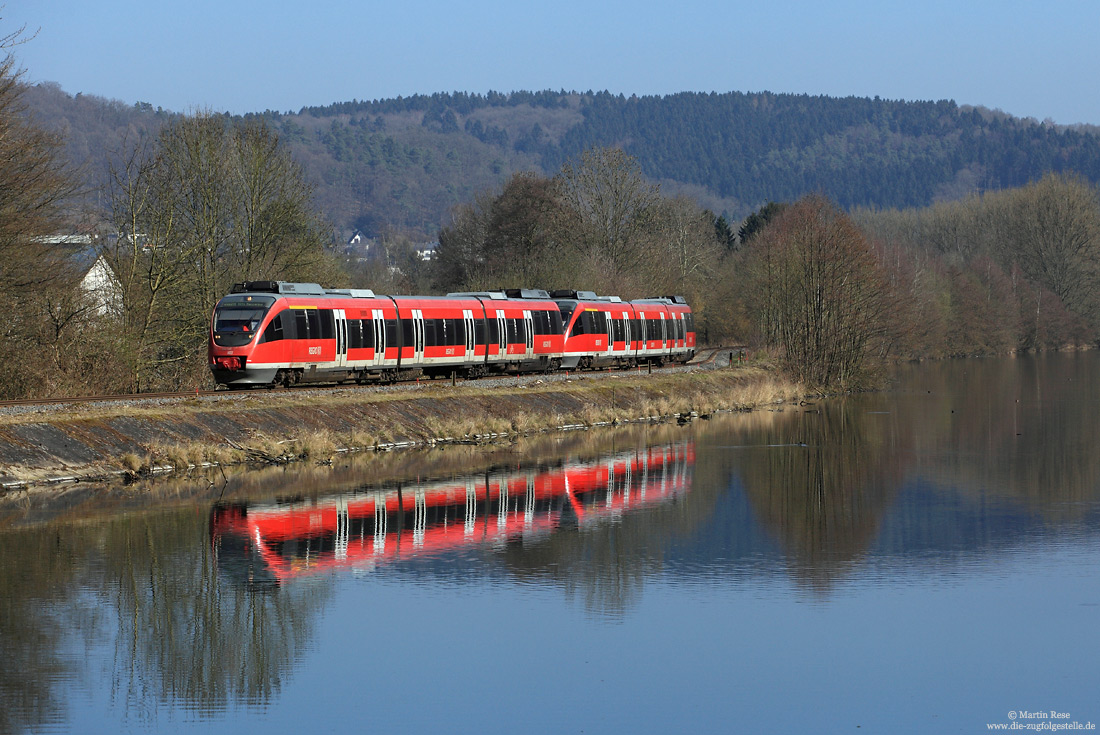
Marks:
<point>270,543</point>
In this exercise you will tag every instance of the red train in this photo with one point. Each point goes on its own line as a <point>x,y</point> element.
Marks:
<point>277,332</point>
<point>270,544</point>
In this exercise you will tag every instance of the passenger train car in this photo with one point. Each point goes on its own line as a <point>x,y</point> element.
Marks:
<point>277,332</point>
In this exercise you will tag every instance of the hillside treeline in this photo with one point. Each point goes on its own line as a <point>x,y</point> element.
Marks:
<point>400,165</point>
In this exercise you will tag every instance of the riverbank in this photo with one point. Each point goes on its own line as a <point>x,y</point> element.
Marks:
<point>139,438</point>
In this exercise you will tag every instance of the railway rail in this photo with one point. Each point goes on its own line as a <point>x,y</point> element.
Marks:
<point>704,357</point>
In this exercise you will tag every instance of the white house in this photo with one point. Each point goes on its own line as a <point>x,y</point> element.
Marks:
<point>97,279</point>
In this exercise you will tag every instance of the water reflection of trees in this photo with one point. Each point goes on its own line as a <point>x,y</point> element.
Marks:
<point>1023,428</point>
<point>148,583</point>
<point>36,587</point>
<point>185,632</point>
<point>820,480</point>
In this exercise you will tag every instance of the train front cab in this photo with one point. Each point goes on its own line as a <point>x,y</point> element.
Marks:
<point>599,330</point>
<point>236,328</point>
<point>268,332</point>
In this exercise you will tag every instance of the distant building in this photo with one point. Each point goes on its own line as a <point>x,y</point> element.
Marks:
<point>358,248</point>
<point>97,280</point>
<point>426,251</point>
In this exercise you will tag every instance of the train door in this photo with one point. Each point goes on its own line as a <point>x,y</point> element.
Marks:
<point>642,348</point>
<point>529,334</point>
<point>468,319</point>
<point>341,337</point>
<point>379,322</point>
<point>610,324</point>
<point>666,335</point>
<point>502,335</point>
<point>626,334</point>
<point>418,336</point>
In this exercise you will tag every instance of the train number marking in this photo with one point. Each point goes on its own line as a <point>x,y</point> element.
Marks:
<point>315,350</point>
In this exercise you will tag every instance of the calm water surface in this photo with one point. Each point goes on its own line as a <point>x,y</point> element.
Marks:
<point>922,560</point>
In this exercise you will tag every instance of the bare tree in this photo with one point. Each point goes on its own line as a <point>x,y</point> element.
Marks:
<point>521,239</point>
<point>208,203</point>
<point>611,207</point>
<point>35,270</point>
<point>1055,238</point>
<point>34,183</point>
<point>822,294</point>
<point>460,261</point>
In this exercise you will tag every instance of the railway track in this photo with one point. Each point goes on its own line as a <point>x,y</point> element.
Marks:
<point>705,357</point>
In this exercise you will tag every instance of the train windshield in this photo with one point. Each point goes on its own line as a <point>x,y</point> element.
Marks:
<point>238,317</point>
<point>566,309</point>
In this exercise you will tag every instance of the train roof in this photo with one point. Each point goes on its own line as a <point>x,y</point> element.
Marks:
<point>679,300</point>
<point>299,289</point>
<point>564,293</point>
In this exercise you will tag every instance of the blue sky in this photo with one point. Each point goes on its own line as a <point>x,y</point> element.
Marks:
<point>1037,58</point>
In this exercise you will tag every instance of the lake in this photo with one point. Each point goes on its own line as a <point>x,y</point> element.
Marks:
<point>925,559</point>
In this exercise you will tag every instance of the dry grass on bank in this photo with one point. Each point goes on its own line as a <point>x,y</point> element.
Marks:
<point>290,426</point>
<point>465,419</point>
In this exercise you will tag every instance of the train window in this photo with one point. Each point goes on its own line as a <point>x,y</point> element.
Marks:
<point>391,333</point>
<point>301,324</point>
<point>360,332</point>
<point>328,323</point>
<point>354,335</point>
<point>479,331</point>
<point>555,322</point>
<point>617,332</point>
<point>433,332</point>
<point>314,317</point>
<point>274,330</point>
<point>407,332</point>
<point>591,322</point>
<point>544,325</point>
<point>515,331</point>
<point>494,332</point>
<point>565,309</point>
<point>457,331</point>
<point>367,328</point>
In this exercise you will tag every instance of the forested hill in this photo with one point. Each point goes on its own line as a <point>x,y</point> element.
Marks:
<point>404,163</point>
